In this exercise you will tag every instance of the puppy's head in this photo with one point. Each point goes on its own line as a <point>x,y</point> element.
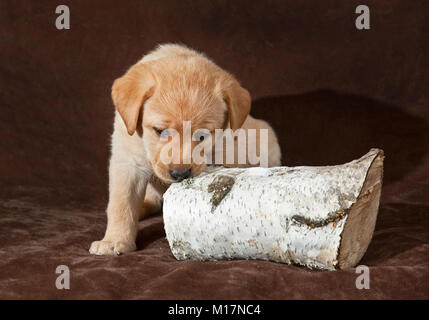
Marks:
<point>175,105</point>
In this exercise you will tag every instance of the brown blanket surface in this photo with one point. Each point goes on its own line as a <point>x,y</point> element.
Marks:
<point>330,91</point>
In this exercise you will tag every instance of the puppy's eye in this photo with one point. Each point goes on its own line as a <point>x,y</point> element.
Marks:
<point>158,131</point>
<point>201,135</point>
<point>163,133</point>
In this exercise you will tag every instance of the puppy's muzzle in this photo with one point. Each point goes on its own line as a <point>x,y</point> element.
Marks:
<point>180,174</point>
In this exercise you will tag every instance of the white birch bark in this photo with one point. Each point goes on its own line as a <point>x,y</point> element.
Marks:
<point>319,217</point>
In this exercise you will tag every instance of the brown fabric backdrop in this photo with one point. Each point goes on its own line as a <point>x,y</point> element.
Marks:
<point>330,91</point>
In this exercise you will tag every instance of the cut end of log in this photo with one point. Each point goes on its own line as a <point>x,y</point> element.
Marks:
<point>362,217</point>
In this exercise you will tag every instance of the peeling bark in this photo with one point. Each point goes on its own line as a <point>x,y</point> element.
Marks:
<point>319,217</point>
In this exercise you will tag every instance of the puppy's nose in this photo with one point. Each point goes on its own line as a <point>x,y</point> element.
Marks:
<point>180,174</point>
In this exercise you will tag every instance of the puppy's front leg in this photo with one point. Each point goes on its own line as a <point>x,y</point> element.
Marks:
<point>127,187</point>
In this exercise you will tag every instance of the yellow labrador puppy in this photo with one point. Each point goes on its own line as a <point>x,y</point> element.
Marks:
<point>169,87</point>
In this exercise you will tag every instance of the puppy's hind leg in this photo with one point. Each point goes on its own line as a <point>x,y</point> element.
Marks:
<point>152,201</point>
<point>127,186</point>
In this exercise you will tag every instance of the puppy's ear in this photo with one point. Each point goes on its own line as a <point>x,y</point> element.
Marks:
<point>238,101</point>
<point>129,94</point>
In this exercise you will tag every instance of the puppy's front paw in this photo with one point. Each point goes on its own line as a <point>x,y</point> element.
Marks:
<point>111,248</point>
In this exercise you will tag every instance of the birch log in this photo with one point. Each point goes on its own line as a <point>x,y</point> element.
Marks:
<point>319,217</point>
